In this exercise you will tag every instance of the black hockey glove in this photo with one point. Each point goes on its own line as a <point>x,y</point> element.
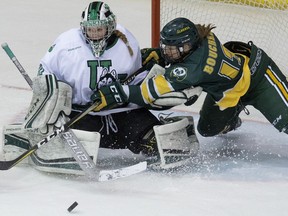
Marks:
<point>110,96</point>
<point>151,56</point>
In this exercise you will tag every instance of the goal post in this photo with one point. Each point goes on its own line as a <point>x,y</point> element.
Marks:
<point>155,25</point>
<point>265,22</point>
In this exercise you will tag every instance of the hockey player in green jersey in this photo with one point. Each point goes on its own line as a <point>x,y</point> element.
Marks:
<point>233,75</point>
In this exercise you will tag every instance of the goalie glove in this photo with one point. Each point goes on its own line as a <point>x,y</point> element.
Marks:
<point>50,104</point>
<point>187,96</point>
<point>110,96</point>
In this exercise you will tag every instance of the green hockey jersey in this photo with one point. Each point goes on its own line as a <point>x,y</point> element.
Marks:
<point>223,74</point>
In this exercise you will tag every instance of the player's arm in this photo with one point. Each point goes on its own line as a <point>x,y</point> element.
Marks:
<point>153,93</point>
<point>158,93</point>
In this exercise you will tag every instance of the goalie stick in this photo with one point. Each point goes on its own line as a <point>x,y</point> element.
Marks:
<point>68,136</point>
<point>17,63</point>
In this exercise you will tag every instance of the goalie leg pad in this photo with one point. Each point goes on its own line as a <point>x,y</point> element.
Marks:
<point>176,142</point>
<point>12,144</point>
<point>54,156</point>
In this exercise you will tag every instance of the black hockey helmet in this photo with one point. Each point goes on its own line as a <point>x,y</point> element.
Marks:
<point>178,38</point>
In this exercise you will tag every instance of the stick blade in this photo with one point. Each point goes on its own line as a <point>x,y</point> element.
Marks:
<point>6,165</point>
<point>108,175</point>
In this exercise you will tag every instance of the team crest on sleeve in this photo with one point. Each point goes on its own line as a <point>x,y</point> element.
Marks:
<point>180,73</point>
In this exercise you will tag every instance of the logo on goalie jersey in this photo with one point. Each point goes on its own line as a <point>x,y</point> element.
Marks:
<point>180,73</point>
<point>51,48</point>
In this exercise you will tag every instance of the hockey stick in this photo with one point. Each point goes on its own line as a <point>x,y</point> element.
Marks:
<point>132,77</point>
<point>17,63</point>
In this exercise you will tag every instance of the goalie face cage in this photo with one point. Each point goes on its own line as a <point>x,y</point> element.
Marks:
<point>265,22</point>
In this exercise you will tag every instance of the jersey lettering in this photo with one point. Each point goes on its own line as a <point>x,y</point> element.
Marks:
<point>227,68</point>
<point>93,65</point>
<point>212,55</point>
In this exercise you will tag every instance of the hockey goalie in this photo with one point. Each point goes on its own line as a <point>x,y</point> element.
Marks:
<point>168,144</point>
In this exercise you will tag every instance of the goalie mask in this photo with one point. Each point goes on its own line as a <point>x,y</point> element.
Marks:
<point>178,39</point>
<point>97,25</point>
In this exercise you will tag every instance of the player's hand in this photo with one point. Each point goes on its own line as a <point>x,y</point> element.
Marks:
<point>110,96</point>
<point>151,56</point>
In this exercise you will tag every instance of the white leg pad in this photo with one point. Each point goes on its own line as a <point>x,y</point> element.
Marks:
<point>56,152</point>
<point>56,157</point>
<point>57,149</point>
<point>173,141</point>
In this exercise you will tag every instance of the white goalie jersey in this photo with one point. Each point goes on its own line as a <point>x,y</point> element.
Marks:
<point>70,58</point>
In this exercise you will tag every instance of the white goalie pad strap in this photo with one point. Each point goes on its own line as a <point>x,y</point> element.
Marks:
<point>178,98</point>
<point>50,98</point>
<point>174,141</point>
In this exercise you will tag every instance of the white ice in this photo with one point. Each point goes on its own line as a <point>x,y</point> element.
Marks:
<point>243,173</point>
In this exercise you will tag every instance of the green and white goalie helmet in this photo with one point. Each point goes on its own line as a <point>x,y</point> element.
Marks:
<point>97,25</point>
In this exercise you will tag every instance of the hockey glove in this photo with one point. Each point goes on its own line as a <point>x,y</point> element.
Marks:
<point>110,96</point>
<point>50,104</point>
<point>151,56</point>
